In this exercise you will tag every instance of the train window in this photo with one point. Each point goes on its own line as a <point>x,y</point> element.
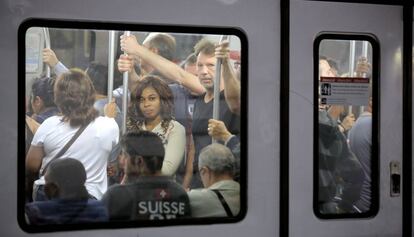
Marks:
<point>130,125</point>
<point>345,126</point>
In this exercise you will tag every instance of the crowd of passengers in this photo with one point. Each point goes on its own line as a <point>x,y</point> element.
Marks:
<point>345,147</point>
<point>81,168</point>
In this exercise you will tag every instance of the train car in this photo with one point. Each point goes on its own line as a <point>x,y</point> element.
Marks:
<point>325,110</point>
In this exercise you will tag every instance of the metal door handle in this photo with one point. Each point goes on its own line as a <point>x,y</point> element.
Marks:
<point>395,172</point>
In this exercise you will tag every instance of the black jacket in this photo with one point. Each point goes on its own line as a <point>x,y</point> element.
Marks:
<point>340,173</point>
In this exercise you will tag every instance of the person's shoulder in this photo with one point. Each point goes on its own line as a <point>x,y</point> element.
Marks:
<point>177,125</point>
<point>100,103</point>
<point>32,205</point>
<point>116,188</point>
<point>200,97</point>
<point>177,88</point>
<point>106,121</point>
<point>361,124</point>
<point>52,121</point>
<point>232,142</point>
<point>222,96</point>
<point>95,203</point>
<point>226,184</point>
<point>103,119</point>
<point>118,91</point>
<point>173,184</point>
<point>174,86</point>
<point>42,206</point>
<point>201,193</point>
<point>154,182</point>
<point>365,119</point>
<point>95,211</point>
<point>200,198</point>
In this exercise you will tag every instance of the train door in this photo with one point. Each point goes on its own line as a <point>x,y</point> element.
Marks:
<point>264,62</point>
<point>409,220</point>
<point>345,63</point>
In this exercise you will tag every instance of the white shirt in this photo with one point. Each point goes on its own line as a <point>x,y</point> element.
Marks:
<point>92,148</point>
<point>59,69</point>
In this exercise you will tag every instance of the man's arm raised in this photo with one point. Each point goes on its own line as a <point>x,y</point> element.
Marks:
<point>126,64</point>
<point>167,68</point>
<point>231,83</point>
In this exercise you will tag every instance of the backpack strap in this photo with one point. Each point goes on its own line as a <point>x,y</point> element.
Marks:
<point>223,202</point>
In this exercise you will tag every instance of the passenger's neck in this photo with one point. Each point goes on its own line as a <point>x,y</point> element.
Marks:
<point>217,178</point>
<point>208,96</point>
<point>152,123</point>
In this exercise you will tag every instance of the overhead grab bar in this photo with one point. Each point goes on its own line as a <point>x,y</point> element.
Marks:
<point>47,44</point>
<point>111,60</point>
<point>125,94</point>
<point>351,65</point>
<point>217,79</point>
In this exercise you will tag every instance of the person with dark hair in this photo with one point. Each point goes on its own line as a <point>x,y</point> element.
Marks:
<point>98,73</point>
<point>340,173</point>
<point>163,45</point>
<point>203,107</point>
<point>42,106</point>
<point>184,91</point>
<point>146,194</point>
<point>41,99</point>
<point>74,95</point>
<point>221,194</point>
<point>68,201</point>
<point>152,110</point>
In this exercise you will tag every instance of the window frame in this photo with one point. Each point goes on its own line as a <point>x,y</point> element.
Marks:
<point>375,158</point>
<point>96,25</point>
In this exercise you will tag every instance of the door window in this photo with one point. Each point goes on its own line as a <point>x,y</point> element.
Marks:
<point>345,126</point>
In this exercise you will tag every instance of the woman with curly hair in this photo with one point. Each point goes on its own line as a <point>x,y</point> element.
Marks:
<point>74,95</point>
<point>152,110</point>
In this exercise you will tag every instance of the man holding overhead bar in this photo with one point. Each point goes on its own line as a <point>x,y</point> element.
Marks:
<point>163,45</point>
<point>203,107</point>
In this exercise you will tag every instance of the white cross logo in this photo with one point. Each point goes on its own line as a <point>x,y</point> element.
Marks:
<point>163,193</point>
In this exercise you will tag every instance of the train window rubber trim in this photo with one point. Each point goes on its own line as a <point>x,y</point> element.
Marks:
<point>372,39</point>
<point>96,25</point>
